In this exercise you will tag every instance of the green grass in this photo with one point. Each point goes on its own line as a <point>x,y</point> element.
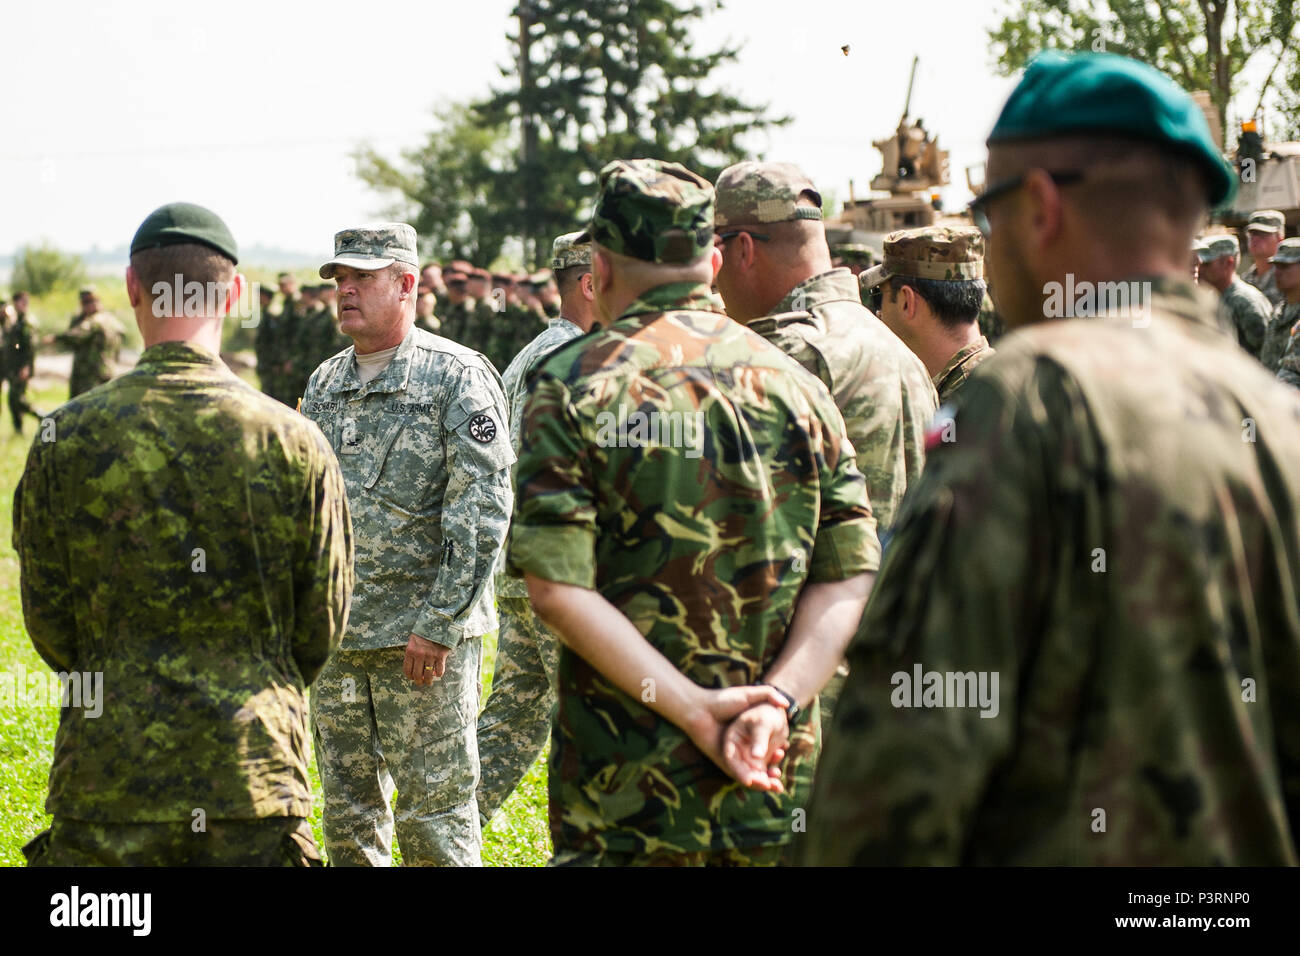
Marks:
<point>519,835</point>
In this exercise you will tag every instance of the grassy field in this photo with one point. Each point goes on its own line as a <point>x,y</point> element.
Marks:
<point>518,836</point>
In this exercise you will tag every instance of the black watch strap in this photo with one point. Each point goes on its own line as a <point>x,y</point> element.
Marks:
<point>792,706</point>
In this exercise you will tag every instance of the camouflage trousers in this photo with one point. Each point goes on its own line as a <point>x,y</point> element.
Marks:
<point>374,730</point>
<point>516,721</point>
<point>270,841</point>
<point>770,855</point>
<point>18,404</point>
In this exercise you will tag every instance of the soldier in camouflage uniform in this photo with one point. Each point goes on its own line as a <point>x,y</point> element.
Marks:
<point>517,718</point>
<point>934,285</point>
<point>1264,231</point>
<point>460,307</point>
<point>1243,309</point>
<point>94,337</point>
<point>419,426</point>
<point>688,512</point>
<point>265,343</point>
<point>1282,324</point>
<point>777,278</point>
<point>1283,335</point>
<point>188,539</point>
<point>1111,533</point>
<point>19,362</point>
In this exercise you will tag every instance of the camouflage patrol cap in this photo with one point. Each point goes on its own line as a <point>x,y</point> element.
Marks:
<point>943,253</point>
<point>854,252</point>
<point>652,210</point>
<point>1288,251</point>
<point>1266,220</point>
<point>184,222</point>
<point>374,246</point>
<point>751,193</point>
<point>1216,247</point>
<point>569,250</point>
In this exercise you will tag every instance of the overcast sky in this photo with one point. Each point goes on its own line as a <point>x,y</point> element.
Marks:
<point>253,108</point>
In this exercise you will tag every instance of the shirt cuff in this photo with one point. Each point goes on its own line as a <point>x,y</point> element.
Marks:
<point>844,550</point>
<point>561,553</point>
<point>433,625</point>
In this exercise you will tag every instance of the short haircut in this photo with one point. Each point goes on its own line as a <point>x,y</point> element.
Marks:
<point>954,302</point>
<point>568,278</point>
<point>193,261</point>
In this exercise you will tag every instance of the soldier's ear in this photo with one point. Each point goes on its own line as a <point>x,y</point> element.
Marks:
<point>715,260</point>
<point>133,291</point>
<point>588,286</point>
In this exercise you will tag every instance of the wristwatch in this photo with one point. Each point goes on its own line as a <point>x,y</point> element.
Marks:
<point>792,706</point>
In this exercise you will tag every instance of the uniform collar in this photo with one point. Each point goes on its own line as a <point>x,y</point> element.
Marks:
<point>838,285</point>
<point>165,355</point>
<point>391,379</point>
<point>674,297</point>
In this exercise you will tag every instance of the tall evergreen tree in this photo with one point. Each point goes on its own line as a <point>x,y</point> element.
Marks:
<point>590,82</point>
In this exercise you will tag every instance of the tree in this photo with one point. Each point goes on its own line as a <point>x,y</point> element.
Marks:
<point>1201,44</point>
<point>449,189</point>
<point>589,83</point>
<point>41,269</point>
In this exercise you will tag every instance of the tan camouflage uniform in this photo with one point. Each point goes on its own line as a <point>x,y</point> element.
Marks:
<point>881,388</point>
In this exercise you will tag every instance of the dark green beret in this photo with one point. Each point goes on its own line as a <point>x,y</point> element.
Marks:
<point>1062,94</point>
<point>180,222</point>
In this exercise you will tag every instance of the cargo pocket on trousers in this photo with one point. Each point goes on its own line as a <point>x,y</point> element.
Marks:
<point>449,741</point>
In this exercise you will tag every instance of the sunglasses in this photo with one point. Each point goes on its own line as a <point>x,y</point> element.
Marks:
<point>720,237</point>
<point>978,207</point>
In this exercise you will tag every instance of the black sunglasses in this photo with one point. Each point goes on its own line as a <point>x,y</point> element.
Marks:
<point>722,237</point>
<point>978,207</point>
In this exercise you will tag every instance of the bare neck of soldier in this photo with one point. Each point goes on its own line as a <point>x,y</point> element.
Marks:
<point>1262,265</point>
<point>384,337</point>
<point>937,349</point>
<point>203,332</point>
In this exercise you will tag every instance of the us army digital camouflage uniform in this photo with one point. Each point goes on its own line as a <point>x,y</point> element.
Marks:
<point>1133,585</point>
<point>1267,284</point>
<point>516,721</point>
<point>959,368</point>
<point>1245,310</point>
<point>94,341</point>
<point>189,539</point>
<point>1289,368</point>
<point>426,457</point>
<point>1277,335</point>
<point>705,553</point>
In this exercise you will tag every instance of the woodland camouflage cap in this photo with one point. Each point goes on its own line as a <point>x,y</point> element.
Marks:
<point>652,210</point>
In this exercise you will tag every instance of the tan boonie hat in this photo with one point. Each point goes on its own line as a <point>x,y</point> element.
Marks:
<point>567,251</point>
<point>751,193</point>
<point>944,253</point>
<point>1288,251</point>
<point>1267,220</point>
<point>374,246</point>
<point>1216,247</point>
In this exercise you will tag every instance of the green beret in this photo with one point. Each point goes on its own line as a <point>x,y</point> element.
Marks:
<point>652,210</point>
<point>1062,94</point>
<point>182,222</point>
